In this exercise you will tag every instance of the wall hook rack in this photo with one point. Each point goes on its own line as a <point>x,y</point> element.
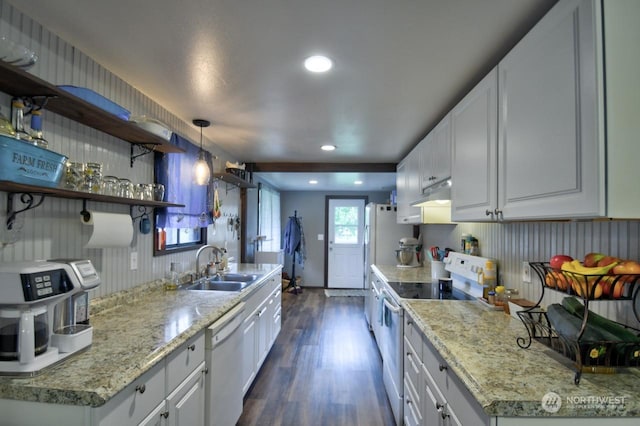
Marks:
<point>28,199</point>
<point>142,210</point>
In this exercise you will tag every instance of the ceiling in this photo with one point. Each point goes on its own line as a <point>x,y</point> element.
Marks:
<point>399,66</point>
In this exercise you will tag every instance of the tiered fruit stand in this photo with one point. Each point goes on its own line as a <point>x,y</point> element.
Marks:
<point>588,355</point>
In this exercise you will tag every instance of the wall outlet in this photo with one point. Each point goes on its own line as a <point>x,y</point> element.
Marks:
<point>133,262</point>
<point>526,272</point>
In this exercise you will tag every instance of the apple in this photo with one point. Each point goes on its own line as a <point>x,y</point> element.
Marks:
<point>613,287</point>
<point>627,267</point>
<point>592,259</point>
<point>608,260</point>
<point>556,261</point>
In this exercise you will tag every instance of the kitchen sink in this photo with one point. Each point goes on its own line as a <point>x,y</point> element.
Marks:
<point>234,277</point>
<point>217,285</point>
<point>224,282</point>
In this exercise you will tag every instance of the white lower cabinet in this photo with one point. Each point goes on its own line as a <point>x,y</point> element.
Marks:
<point>170,394</point>
<point>433,394</point>
<point>260,327</point>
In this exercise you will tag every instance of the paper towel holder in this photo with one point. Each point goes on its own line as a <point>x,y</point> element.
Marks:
<point>85,213</point>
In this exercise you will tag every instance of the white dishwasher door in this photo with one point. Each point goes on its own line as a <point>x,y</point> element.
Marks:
<point>224,385</point>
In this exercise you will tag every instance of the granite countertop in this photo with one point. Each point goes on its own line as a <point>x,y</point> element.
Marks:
<point>480,347</point>
<point>420,274</point>
<point>132,331</point>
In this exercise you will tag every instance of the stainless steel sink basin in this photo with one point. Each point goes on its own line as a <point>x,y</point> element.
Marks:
<point>224,282</point>
<point>216,285</point>
<point>235,277</point>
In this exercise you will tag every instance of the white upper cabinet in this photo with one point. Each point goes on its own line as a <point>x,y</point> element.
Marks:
<point>408,181</point>
<point>552,156</point>
<point>474,153</point>
<point>435,165</point>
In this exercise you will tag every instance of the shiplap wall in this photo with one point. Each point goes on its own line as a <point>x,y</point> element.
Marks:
<point>514,243</point>
<point>53,230</point>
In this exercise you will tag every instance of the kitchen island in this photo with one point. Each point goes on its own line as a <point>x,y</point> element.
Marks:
<point>133,332</point>
<point>509,383</point>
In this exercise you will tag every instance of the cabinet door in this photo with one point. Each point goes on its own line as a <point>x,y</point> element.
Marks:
<point>426,161</point>
<point>441,151</point>
<point>248,352</point>
<point>186,404</point>
<point>551,160</point>
<point>408,188</point>
<point>474,144</point>
<point>157,417</point>
<point>263,325</point>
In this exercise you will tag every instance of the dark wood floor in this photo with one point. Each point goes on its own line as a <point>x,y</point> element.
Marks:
<point>324,368</point>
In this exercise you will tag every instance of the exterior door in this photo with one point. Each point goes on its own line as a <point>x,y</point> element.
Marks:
<point>345,256</point>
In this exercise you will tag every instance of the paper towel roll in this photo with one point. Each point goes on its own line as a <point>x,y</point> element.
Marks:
<point>108,229</point>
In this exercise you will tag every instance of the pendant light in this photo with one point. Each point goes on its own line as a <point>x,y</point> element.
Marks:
<point>201,171</point>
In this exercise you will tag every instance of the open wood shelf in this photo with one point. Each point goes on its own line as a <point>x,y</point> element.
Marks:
<point>234,180</point>
<point>17,188</point>
<point>17,82</point>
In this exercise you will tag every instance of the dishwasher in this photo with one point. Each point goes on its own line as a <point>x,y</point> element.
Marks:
<point>223,388</point>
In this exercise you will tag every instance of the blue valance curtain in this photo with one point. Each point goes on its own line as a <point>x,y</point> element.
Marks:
<point>175,172</point>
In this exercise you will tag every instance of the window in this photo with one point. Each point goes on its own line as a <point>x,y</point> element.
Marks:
<point>181,228</point>
<point>346,225</point>
<point>269,218</point>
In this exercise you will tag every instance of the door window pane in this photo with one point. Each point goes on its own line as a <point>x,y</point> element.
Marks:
<point>346,225</point>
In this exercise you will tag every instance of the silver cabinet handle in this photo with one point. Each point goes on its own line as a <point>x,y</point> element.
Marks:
<point>498,213</point>
<point>164,414</point>
<point>206,370</point>
<point>408,401</point>
<point>141,388</point>
<point>192,347</point>
<point>488,213</point>
<point>442,367</point>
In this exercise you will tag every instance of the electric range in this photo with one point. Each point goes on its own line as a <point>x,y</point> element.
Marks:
<point>410,290</point>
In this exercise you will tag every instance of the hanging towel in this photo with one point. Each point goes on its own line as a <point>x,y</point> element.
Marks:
<point>381,309</point>
<point>387,316</point>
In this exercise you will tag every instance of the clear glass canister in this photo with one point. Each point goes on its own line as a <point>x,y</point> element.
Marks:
<point>147,192</point>
<point>126,188</point>
<point>74,176</point>
<point>158,192</point>
<point>92,177</point>
<point>111,186</point>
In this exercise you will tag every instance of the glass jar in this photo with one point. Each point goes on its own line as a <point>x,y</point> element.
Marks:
<point>158,192</point>
<point>74,176</point>
<point>110,186</point>
<point>92,177</point>
<point>126,188</point>
<point>138,191</point>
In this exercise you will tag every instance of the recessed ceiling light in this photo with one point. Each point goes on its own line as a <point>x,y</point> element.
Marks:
<point>328,147</point>
<point>313,182</point>
<point>318,63</point>
<point>358,182</point>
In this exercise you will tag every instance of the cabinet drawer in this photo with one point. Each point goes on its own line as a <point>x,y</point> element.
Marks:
<point>412,407</point>
<point>184,360</point>
<point>136,401</point>
<point>413,334</point>
<point>412,364</point>
<point>436,366</point>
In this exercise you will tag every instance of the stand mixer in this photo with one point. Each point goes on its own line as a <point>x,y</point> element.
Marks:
<point>43,313</point>
<point>407,254</point>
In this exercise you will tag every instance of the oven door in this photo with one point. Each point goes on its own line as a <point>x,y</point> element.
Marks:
<point>392,360</point>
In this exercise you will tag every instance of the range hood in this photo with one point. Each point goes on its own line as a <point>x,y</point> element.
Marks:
<point>435,203</point>
<point>434,195</point>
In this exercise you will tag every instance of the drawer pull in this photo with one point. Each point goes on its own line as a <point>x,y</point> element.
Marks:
<point>192,347</point>
<point>409,354</point>
<point>442,367</point>
<point>141,388</point>
<point>409,322</point>
<point>164,414</point>
<point>206,370</point>
<point>408,401</point>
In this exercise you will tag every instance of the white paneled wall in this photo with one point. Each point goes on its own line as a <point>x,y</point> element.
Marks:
<point>514,243</point>
<point>54,230</point>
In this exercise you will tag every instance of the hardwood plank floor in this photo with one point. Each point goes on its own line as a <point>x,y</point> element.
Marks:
<point>324,368</point>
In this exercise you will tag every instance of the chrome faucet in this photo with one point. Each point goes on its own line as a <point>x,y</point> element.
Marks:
<point>217,251</point>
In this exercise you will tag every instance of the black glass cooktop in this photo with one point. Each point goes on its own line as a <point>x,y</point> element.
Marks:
<point>406,290</point>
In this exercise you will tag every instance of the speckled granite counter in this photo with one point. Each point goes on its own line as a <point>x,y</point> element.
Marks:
<point>394,273</point>
<point>480,347</point>
<point>132,331</point>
